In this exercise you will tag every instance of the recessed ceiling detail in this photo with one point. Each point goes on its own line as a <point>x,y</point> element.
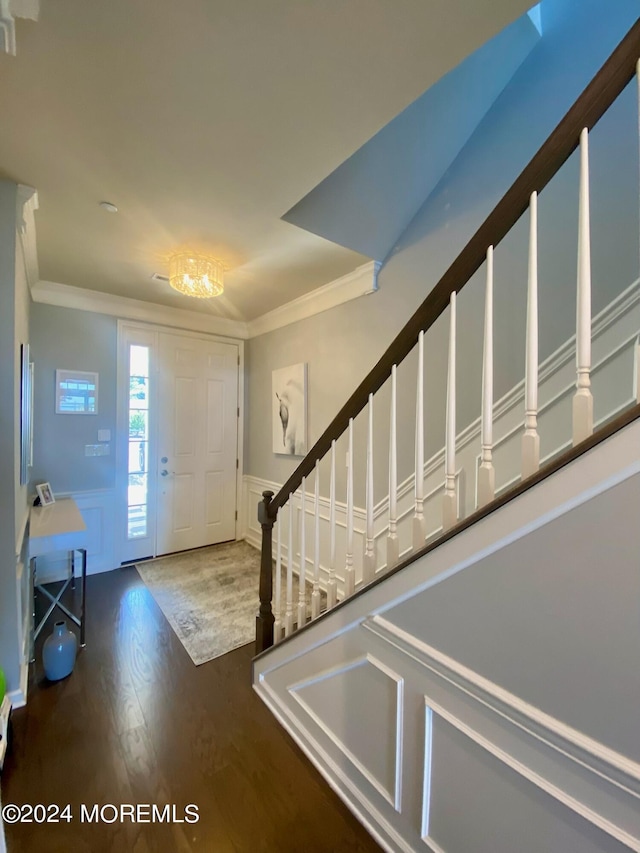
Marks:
<point>205,122</point>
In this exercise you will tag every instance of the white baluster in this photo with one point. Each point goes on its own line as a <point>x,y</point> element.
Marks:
<point>450,498</point>
<point>419,528</point>
<point>369,563</point>
<point>350,573</point>
<point>583,399</point>
<point>636,370</point>
<point>277,604</point>
<point>393,546</point>
<point>332,586</point>
<point>486,473</point>
<point>315,595</point>
<point>531,439</point>
<point>288,616</point>
<point>302,585</point>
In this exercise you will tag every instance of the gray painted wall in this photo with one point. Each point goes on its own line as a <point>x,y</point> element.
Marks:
<point>502,667</point>
<point>79,340</point>
<point>341,345</point>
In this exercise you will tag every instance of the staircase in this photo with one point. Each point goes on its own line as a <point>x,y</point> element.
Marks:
<point>473,686</point>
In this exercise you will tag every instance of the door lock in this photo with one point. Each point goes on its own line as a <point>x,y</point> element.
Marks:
<point>164,473</point>
<point>164,460</point>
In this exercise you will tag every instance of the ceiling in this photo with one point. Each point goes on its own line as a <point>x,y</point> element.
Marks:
<point>205,121</point>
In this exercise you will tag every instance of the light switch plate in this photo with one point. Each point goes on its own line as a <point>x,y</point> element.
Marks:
<point>104,435</point>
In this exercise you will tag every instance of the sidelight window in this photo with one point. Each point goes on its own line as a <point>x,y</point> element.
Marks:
<point>138,451</point>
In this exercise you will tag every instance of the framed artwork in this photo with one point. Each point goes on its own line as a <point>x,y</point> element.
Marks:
<point>76,392</point>
<point>289,410</point>
<point>45,494</point>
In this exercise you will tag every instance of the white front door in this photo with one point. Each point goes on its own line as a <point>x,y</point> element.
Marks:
<point>196,449</point>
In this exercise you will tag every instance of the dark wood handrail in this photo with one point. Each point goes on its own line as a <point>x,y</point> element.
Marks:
<point>596,99</point>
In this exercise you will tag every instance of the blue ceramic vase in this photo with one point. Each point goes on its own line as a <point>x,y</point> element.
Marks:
<point>59,652</point>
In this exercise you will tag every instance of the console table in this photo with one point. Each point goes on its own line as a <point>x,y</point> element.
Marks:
<point>57,527</point>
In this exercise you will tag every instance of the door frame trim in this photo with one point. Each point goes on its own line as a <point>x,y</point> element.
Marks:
<point>155,328</point>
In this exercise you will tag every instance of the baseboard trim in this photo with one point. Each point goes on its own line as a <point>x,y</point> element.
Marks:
<point>18,698</point>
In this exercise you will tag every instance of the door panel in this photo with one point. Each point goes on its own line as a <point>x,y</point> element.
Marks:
<point>197,433</point>
<point>184,418</point>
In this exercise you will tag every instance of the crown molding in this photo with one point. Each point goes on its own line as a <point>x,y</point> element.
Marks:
<point>66,296</point>
<point>7,28</point>
<point>9,11</point>
<point>363,280</point>
<point>27,206</point>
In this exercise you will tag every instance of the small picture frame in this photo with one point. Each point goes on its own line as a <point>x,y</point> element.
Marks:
<point>45,493</point>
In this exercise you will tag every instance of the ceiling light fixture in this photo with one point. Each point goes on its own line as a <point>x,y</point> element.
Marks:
<point>108,206</point>
<point>196,275</point>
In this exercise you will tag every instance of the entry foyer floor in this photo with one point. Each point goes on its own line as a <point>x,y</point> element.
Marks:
<point>137,723</point>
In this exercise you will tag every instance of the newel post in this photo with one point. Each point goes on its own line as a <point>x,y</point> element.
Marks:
<point>265,618</point>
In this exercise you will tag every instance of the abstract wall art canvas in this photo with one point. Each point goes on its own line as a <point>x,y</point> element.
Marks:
<point>289,408</point>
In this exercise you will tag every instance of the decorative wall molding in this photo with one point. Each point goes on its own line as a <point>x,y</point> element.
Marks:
<point>65,296</point>
<point>565,739</point>
<point>617,309</point>
<point>362,281</point>
<point>253,487</point>
<point>597,785</point>
<point>18,697</point>
<point>616,356</point>
<point>333,771</point>
<point>7,28</point>
<point>614,334</point>
<point>98,508</point>
<point>27,205</point>
<point>9,11</point>
<point>394,796</point>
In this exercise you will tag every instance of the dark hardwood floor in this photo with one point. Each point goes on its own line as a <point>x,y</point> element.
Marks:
<point>137,723</point>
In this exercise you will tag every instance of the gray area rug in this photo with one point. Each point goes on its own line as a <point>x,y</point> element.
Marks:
<point>210,596</point>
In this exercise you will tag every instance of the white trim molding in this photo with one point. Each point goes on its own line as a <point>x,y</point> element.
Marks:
<point>27,205</point>
<point>361,282</point>
<point>392,795</point>
<point>83,299</point>
<point>9,11</point>
<point>7,28</point>
<point>98,509</point>
<point>467,729</point>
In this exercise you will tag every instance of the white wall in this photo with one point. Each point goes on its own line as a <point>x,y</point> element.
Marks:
<point>485,698</point>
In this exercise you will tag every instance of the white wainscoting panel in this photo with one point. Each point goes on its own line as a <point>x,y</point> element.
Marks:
<point>433,753</point>
<point>373,692</point>
<point>99,513</point>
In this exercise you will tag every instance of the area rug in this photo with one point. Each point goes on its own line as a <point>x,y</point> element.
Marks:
<point>209,596</point>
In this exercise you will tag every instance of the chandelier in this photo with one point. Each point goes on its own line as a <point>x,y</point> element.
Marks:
<point>196,275</point>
